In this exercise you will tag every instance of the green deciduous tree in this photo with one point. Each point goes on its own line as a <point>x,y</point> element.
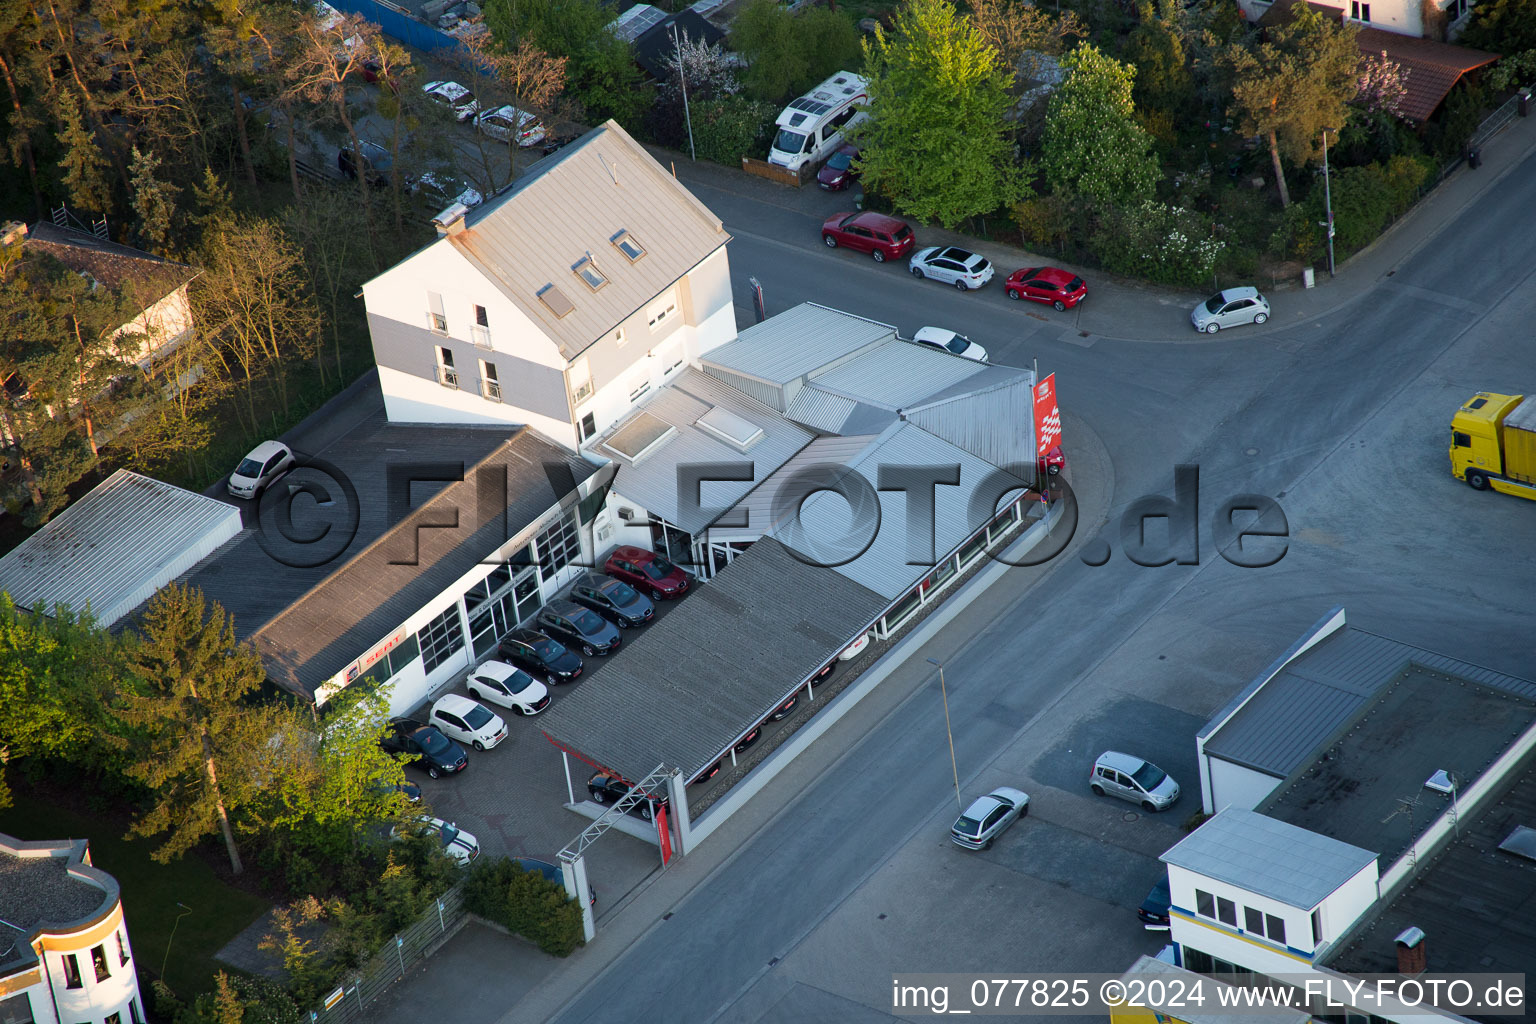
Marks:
<point>1093,146</point>
<point>1502,26</point>
<point>936,141</point>
<point>1292,84</point>
<point>600,74</point>
<point>196,734</point>
<point>788,53</point>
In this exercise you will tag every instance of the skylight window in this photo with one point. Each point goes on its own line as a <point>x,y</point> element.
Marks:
<point>587,270</point>
<point>554,300</point>
<point>628,245</point>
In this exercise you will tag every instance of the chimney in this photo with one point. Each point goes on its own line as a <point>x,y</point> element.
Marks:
<point>1412,958</point>
<point>13,232</point>
<point>451,220</point>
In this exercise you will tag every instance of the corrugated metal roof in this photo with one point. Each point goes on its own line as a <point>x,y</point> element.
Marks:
<point>758,505</point>
<point>114,547</point>
<point>827,531</point>
<point>686,689</point>
<point>1269,858</point>
<point>994,421</point>
<point>573,204</point>
<point>897,375</point>
<point>1285,722</point>
<point>652,482</point>
<point>798,342</point>
<point>821,410</point>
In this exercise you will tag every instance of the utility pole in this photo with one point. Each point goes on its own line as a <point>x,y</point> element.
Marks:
<point>683,81</point>
<point>1327,203</point>
<point>953,766</point>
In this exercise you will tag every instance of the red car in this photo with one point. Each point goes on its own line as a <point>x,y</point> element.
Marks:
<point>884,238</point>
<point>1058,288</point>
<point>647,571</point>
<point>1052,462</point>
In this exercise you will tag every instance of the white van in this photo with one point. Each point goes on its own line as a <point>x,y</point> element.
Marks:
<point>811,127</point>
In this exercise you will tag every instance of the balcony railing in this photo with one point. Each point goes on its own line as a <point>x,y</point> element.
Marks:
<point>447,376</point>
<point>481,336</point>
<point>491,389</point>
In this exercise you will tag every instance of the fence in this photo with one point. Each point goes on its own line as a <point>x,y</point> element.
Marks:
<point>362,986</point>
<point>398,24</point>
<point>773,172</point>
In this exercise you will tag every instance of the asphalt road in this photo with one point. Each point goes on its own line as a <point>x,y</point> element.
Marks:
<point>1344,421</point>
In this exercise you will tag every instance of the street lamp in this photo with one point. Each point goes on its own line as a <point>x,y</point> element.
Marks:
<point>1327,203</point>
<point>943,692</point>
<point>682,79</point>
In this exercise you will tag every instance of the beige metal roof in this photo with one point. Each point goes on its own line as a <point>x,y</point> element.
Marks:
<point>572,206</point>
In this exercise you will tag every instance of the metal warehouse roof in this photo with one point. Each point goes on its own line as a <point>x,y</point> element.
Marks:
<point>651,481</point>
<point>828,531</point>
<point>897,374</point>
<point>757,506</point>
<point>113,548</point>
<point>1286,719</point>
<point>797,342</point>
<point>1269,858</point>
<point>691,685</point>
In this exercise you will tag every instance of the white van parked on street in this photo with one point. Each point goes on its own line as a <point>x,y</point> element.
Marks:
<point>811,127</point>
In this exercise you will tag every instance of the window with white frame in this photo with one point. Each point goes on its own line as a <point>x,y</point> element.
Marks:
<point>558,545</point>
<point>490,384</point>
<point>581,380</point>
<point>447,375</point>
<point>436,318</point>
<point>440,638</point>
<point>619,338</point>
<point>662,310</point>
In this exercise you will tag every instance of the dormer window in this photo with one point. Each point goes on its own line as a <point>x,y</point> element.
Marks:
<point>586,269</point>
<point>628,245</point>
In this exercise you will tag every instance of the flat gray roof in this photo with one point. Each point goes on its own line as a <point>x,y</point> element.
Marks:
<point>1474,901</point>
<point>1269,857</point>
<point>1364,785</point>
<point>1290,716</point>
<point>690,686</point>
<point>796,342</point>
<point>114,547</point>
<point>46,884</point>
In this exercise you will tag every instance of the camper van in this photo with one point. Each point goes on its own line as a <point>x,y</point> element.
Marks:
<point>811,127</point>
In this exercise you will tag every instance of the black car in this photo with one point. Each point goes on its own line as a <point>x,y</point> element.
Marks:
<point>376,162</point>
<point>783,710</point>
<point>1154,909</point>
<point>580,627</point>
<point>615,600</point>
<point>607,788</point>
<point>428,749</point>
<point>536,653</point>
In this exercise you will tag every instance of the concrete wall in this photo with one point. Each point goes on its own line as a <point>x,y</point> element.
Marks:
<point>1232,785</point>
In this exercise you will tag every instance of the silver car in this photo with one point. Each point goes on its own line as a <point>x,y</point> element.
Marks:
<point>1131,778</point>
<point>1231,308</point>
<point>951,265</point>
<point>988,816</point>
<point>503,122</point>
<point>260,469</point>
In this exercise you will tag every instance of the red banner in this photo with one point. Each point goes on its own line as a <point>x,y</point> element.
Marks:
<point>1047,416</point>
<point>665,833</point>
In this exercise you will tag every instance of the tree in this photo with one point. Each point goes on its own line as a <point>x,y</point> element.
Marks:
<point>1156,50</point>
<point>525,77</point>
<point>788,53</point>
<point>154,201</point>
<point>326,62</point>
<point>936,140</point>
<point>1293,84</point>
<point>197,735</point>
<point>83,163</point>
<point>600,72</point>
<point>1014,29</point>
<point>1093,147</point>
<point>1502,26</point>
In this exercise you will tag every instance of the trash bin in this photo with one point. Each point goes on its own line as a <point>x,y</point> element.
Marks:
<point>1474,158</point>
<point>1307,278</point>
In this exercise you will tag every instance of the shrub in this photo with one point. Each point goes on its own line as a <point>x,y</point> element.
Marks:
<point>1043,221</point>
<point>1158,242</point>
<point>527,903</point>
<point>729,128</point>
<point>1361,205</point>
<point>1405,176</point>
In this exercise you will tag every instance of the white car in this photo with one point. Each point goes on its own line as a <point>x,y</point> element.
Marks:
<point>503,121</point>
<point>447,190</point>
<point>457,843</point>
<point>987,816</point>
<point>949,341</point>
<point>453,96</point>
<point>460,718</point>
<point>952,265</point>
<point>1231,308</point>
<point>258,470</point>
<point>508,687</point>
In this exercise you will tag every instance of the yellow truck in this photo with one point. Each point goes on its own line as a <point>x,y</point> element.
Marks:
<point>1493,443</point>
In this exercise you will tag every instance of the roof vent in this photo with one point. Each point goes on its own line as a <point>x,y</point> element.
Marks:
<point>1521,842</point>
<point>451,220</point>
<point>1441,782</point>
<point>1412,957</point>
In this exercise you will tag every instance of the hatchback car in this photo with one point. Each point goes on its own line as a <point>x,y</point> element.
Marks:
<point>504,123</point>
<point>884,238</point>
<point>838,171</point>
<point>534,652</point>
<point>988,816</point>
<point>1231,308</point>
<point>1058,288</point>
<point>614,600</point>
<point>648,571</point>
<point>446,190</point>
<point>453,96</point>
<point>1131,778</point>
<point>376,162</point>
<point>607,788</point>
<point>456,843</point>
<point>949,341</point>
<point>424,747</point>
<point>462,719</point>
<point>260,469</point>
<point>508,687</point>
<point>951,265</point>
<point>1153,911</point>
<point>572,624</point>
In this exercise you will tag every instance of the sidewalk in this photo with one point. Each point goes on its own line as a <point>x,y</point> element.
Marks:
<point>1131,311</point>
